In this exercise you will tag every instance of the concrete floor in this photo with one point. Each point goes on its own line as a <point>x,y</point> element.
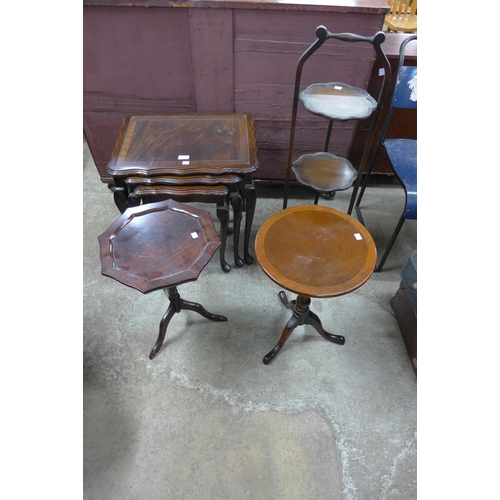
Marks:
<point>206,419</point>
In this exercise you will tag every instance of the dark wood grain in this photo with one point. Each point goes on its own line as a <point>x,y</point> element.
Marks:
<point>158,245</point>
<point>200,194</point>
<point>186,180</point>
<point>212,147</point>
<point>194,193</point>
<point>185,144</point>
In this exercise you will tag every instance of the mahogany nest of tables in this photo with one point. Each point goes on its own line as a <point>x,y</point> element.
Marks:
<point>208,146</point>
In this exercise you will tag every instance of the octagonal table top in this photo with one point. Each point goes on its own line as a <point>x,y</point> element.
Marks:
<point>158,245</point>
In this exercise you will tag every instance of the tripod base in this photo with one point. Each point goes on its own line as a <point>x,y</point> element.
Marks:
<point>177,305</point>
<point>301,315</point>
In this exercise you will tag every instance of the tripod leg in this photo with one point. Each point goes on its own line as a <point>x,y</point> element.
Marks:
<point>193,306</point>
<point>163,329</point>
<point>284,300</point>
<point>313,320</point>
<point>293,322</point>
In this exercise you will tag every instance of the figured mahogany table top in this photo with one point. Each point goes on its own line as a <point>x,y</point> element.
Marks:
<point>315,251</point>
<point>185,144</point>
<point>158,245</point>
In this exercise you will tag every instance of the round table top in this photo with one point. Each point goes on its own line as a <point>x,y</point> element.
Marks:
<point>158,245</point>
<point>315,251</point>
<point>338,101</point>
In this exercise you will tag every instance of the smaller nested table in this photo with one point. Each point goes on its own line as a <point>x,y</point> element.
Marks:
<point>160,246</point>
<point>313,251</point>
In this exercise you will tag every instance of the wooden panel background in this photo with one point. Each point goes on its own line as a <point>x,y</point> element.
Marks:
<point>265,59</point>
<point>134,63</point>
<point>141,60</point>
<point>212,58</point>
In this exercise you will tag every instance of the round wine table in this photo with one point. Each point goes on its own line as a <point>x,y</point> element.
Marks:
<point>313,251</point>
<point>160,246</point>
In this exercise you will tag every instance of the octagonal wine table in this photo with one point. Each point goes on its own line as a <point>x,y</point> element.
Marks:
<point>160,246</point>
<point>191,144</point>
<point>313,251</point>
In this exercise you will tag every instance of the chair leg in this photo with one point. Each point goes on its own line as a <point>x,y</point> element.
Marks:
<point>360,197</point>
<point>391,242</point>
<point>364,184</point>
<point>362,192</point>
<point>326,196</point>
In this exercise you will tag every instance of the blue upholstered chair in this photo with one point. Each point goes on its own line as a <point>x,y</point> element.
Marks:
<point>402,153</point>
